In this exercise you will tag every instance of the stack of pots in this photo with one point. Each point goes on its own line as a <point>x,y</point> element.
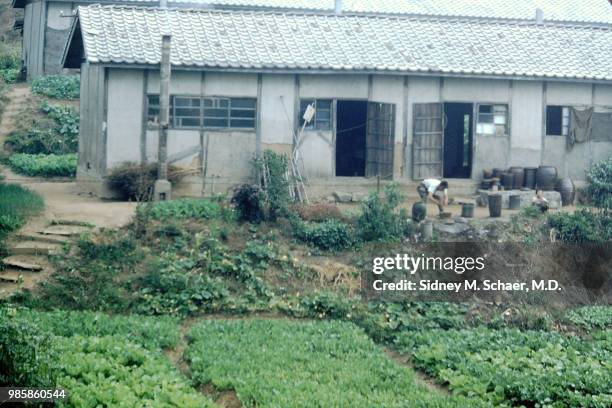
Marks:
<point>546,177</point>
<point>519,177</point>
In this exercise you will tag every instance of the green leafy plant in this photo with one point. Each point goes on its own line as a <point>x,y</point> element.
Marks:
<point>181,209</point>
<point>583,225</point>
<point>599,187</point>
<point>303,364</point>
<point>57,86</point>
<point>330,235</point>
<point>589,318</point>
<point>380,219</point>
<point>50,165</point>
<point>276,187</point>
<point>16,205</point>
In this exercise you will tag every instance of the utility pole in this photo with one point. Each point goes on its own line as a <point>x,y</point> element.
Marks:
<point>163,187</point>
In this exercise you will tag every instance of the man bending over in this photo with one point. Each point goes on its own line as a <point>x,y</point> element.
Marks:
<point>434,190</point>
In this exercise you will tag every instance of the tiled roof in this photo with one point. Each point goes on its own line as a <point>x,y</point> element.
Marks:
<point>250,40</point>
<point>594,11</point>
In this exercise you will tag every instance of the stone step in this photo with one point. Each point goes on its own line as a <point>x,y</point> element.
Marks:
<point>17,263</point>
<point>11,276</point>
<point>34,248</point>
<point>41,237</point>
<point>74,223</point>
<point>65,230</point>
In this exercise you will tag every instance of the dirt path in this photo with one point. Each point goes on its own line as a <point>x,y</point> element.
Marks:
<point>419,377</point>
<point>67,213</point>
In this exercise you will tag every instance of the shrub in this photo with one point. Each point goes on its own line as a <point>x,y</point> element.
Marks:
<point>50,165</point>
<point>134,181</point>
<point>181,209</point>
<point>599,187</point>
<point>25,358</point>
<point>57,86</point>
<point>10,75</point>
<point>274,169</point>
<point>583,225</point>
<point>591,317</point>
<point>10,63</point>
<point>330,235</point>
<point>249,203</point>
<point>379,220</point>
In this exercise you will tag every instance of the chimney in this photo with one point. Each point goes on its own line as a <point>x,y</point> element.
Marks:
<point>338,9</point>
<point>539,16</point>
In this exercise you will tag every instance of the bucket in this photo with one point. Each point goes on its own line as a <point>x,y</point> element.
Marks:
<point>495,205</point>
<point>467,210</point>
<point>546,178</point>
<point>507,180</point>
<point>419,211</point>
<point>530,177</point>
<point>515,202</point>
<point>566,188</point>
<point>519,177</point>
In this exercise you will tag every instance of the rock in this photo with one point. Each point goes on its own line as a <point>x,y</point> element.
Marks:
<point>461,220</point>
<point>455,228</point>
<point>14,263</point>
<point>343,197</point>
<point>358,197</point>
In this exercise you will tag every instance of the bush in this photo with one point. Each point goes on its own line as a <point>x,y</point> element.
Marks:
<point>249,203</point>
<point>134,181</point>
<point>330,235</point>
<point>57,86</point>
<point>599,188</point>
<point>181,209</point>
<point>274,168</point>
<point>583,225</point>
<point>25,358</point>
<point>591,317</point>
<point>50,165</point>
<point>379,220</point>
<point>10,63</point>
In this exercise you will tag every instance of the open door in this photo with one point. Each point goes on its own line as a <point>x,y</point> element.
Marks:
<point>427,141</point>
<point>380,132</point>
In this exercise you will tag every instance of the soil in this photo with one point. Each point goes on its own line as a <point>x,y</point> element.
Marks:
<point>419,377</point>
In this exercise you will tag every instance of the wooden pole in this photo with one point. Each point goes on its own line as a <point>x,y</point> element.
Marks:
<point>164,108</point>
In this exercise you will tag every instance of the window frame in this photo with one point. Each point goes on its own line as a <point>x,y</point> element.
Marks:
<point>565,119</point>
<point>493,113</point>
<point>313,125</point>
<point>175,122</point>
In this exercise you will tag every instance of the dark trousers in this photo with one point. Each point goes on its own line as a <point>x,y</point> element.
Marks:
<point>422,190</point>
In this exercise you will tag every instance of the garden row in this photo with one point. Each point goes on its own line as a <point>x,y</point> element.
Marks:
<point>45,141</point>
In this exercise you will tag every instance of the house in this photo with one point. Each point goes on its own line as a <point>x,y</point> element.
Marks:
<point>47,22</point>
<point>397,97</point>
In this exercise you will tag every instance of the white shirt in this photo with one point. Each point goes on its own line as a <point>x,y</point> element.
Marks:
<point>432,184</point>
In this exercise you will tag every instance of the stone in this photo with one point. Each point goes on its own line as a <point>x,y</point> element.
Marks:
<point>343,197</point>
<point>455,228</point>
<point>14,263</point>
<point>461,220</point>
<point>358,197</point>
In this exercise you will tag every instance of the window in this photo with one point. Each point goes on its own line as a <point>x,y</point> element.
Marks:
<point>492,120</point>
<point>602,125</point>
<point>557,120</point>
<point>229,112</point>
<point>322,118</point>
<point>188,112</point>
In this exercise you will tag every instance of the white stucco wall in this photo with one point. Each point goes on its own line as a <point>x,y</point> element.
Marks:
<point>475,90</point>
<point>277,108</point>
<point>526,121</point>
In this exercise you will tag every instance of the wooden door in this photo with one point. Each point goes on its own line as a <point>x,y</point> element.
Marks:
<point>380,132</point>
<point>427,141</point>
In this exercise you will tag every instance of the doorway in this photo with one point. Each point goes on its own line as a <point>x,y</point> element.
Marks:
<point>351,126</point>
<point>458,140</point>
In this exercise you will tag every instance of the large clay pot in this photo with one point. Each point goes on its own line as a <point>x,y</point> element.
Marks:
<point>467,210</point>
<point>419,211</point>
<point>546,178</point>
<point>519,177</point>
<point>567,190</point>
<point>514,202</point>
<point>530,177</point>
<point>507,180</point>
